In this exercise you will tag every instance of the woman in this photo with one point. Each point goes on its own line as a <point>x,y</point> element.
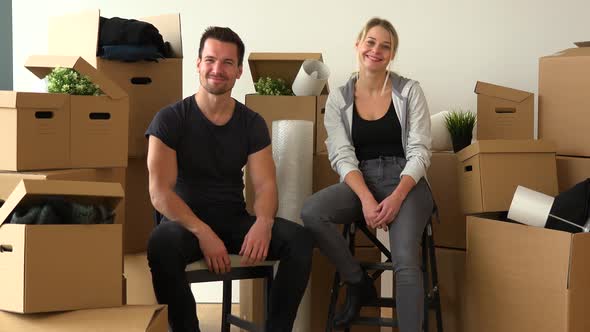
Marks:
<point>378,128</point>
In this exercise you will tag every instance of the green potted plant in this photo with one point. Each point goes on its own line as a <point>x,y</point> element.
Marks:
<point>460,125</point>
<point>67,80</point>
<point>272,87</point>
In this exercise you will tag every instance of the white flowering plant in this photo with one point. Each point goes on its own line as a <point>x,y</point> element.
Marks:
<point>272,87</point>
<point>67,80</point>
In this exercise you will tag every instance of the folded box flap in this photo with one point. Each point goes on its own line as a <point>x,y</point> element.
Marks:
<point>13,99</point>
<point>501,92</point>
<point>280,65</point>
<point>169,27</point>
<point>506,146</point>
<point>579,270</point>
<point>126,318</point>
<point>42,65</point>
<point>75,34</point>
<point>29,190</point>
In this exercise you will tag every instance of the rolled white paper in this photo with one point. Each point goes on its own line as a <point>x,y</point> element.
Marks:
<point>441,138</point>
<point>530,207</point>
<point>311,78</point>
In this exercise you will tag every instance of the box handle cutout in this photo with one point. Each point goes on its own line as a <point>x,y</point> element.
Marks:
<point>141,80</point>
<point>468,168</point>
<point>5,248</point>
<point>44,115</point>
<point>99,116</point>
<point>505,110</point>
<point>323,110</point>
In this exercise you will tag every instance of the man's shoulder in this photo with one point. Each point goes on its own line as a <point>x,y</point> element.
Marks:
<point>248,114</point>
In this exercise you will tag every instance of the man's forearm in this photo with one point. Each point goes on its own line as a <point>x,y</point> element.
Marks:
<point>175,209</point>
<point>265,203</point>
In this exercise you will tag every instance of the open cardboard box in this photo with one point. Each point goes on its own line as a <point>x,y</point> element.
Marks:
<point>150,85</point>
<point>145,318</point>
<point>504,113</point>
<point>491,170</point>
<point>51,131</point>
<point>60,267</point>
<point>524,278</point>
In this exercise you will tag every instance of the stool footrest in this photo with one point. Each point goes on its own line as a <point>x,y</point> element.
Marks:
<point>243,324</point>
<point>375,321</point>
<point>384,266</point>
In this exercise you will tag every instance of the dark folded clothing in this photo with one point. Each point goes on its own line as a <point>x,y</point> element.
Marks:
<point>130,53</point>
<point>120,31</point>
<point>571,205</point>
<point>57,210</point>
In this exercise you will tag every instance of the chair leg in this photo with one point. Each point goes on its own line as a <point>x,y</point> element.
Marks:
<point>435,290</point>
<point>266,296</point>
<point>226,306</point>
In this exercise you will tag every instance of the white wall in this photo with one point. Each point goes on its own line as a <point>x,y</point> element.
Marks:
<point>446,45</point>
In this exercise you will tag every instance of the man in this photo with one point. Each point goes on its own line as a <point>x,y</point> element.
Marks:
<point>197,150</point>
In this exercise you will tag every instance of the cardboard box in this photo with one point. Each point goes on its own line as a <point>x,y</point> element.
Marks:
<point>139,280</point>
<point>60,267</point>
<point>9,180</point>
<point>127,318</point>
<point>449,231</point>
<point>139,215</point>
<point>150,85</point>
<point>490,171</point>
<point>504,113</point>
<point>571,171</point>
<point>564,118</point>
<point>523,278</point>
<point>49,131</point>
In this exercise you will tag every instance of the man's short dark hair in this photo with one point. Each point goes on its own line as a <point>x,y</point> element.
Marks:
<point>226,35</point>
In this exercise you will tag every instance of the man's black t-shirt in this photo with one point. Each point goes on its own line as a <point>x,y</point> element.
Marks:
<point>210,157</point>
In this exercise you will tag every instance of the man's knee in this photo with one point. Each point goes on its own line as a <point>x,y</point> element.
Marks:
<point>298,239</point>
<point>162,242</point>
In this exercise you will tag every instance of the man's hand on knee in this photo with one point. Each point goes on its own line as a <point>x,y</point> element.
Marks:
<point>214,252</point>
<point>255,246</point>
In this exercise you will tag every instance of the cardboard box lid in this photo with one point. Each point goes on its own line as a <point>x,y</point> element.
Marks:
<point>76,34</point>
<point>14,99</point>
<point>127,318</point>
<point>582,43</point>
<point>506,146</point>
<point>501,92</point>
<point>583,51</point>
<point>90,192</point>
<point>280,65</point>
<point>42,65</point>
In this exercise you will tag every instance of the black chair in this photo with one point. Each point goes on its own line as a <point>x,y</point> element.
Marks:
<point>199,272</point>
<point>431,291</point>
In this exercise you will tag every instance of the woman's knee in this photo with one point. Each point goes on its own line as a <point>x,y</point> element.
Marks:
<point>310,212</point>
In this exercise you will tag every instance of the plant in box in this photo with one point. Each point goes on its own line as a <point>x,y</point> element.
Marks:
<point>272,87</point>
<point>460,125</point>
<point>67,80</point>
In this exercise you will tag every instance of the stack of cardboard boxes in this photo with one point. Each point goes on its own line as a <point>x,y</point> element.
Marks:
<point>150,87</point>
<point>49,137</point>
<point>522,278</point>
<point>480,179</point>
